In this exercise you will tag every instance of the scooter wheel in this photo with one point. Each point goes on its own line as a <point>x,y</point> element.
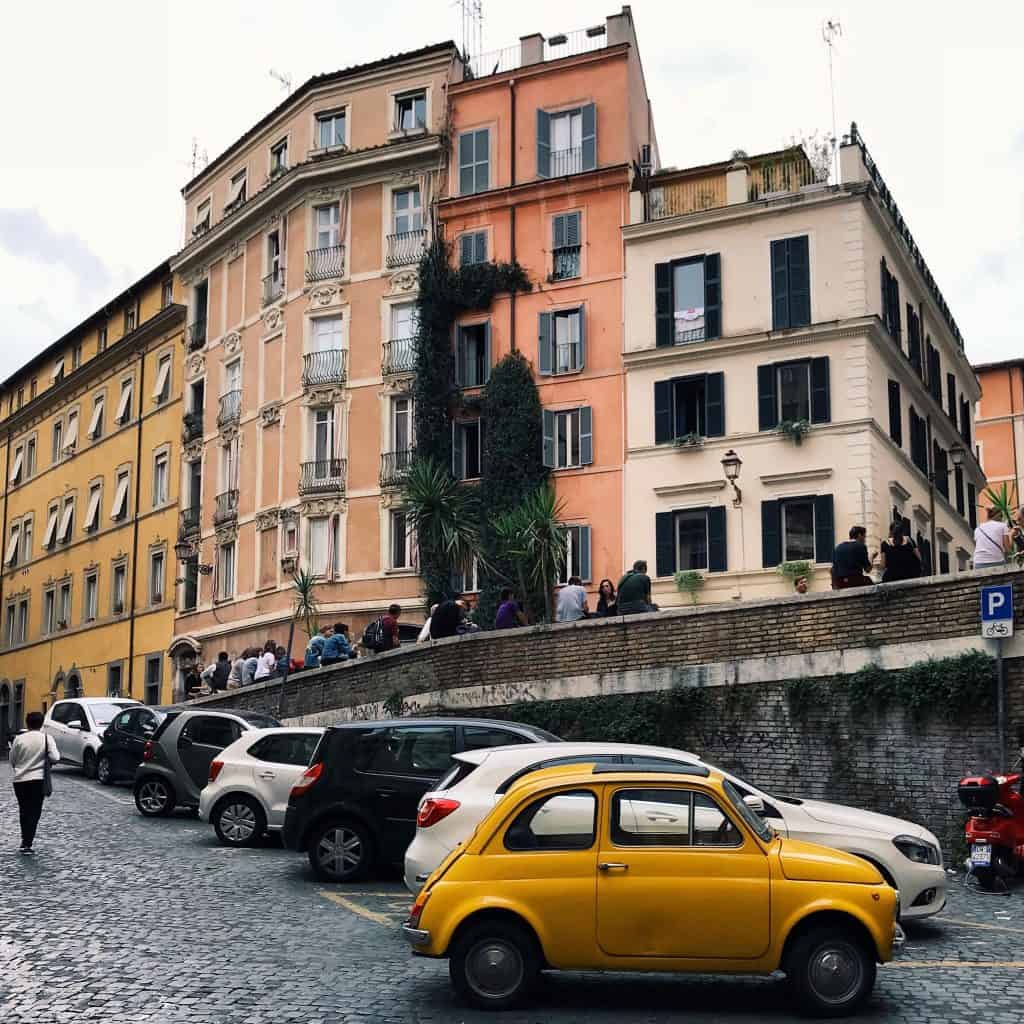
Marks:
<point>986,878</point>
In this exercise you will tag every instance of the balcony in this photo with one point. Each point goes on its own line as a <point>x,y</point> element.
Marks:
<point>788,172</point>
<point>273,286</point>
<point>327,367</point>
<point>192,426</point>
<point>227,508</point>
<point>230,408</point>
<point>566,161</point>
<point>565,263</point>
<point>197,334</point>
<point>406,247</point>
<point>326,263</point>
<point>394,467</point>
<point>399,356</point>
<point>189,524</point>
<point>691,195</point>
<point>323,476</point>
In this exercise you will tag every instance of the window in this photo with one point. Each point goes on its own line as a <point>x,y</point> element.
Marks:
<point>154,677</point>
<point>328,226</point>
<point>52,515</point>
<point>190,585</point>
<point>914,344</point>
<point>476,737</point>
<point>474,161</point>
<point>131,319</point>
<point>958,480</point>
<point>95,431</point>
<point>67,520</point>
<point>22,634</point>
<point>466,449</point>
<point>330,129</point>
<point>405,750</point>
<point>236,191</point>
<point>202,221</point>
<point>891,303</point>
<point>101,338</point>
<point>568,437</point>
<point>225,571</point>
<point>943,557</point>
<point>401,548</point>
<point>274,269</point>
<point>166,294</point>
<point>76,362</point>
<point>791,283</point>
<point>33,388</point>
<point>577,554</point>
<point>64,605</point>
<point>162,387</point>
<point>26,540</point>
<point>951,409</point>
<point>58,440</point>
<point>562,342</point>
<point>207,731</point>
<point>689,407</point>
<point>119,577</point>
<point>229,465</point>
<point>652,817</point>
<point>17,465</point>
<point>472,248</point>
<point>918,441</point>
<point>157,560</point>
<point>965,421</point>
<point>566,141</point>
<point>940,469</point>
<point>466,581</point>
<point>58,371</point>
<point>401,424</point>
<point>403,321</point>
<point>323,434</point>
<point>472,354</point>
<point>565,246</point>
<point>562,821</point>
<point>972,506</point>
<point>13,546</point>
<point>30,458</point>
<point>124,404</point>
<point>327,334</point>
<point>323,546</point>
<point>119,509</point>
<point>934,358</point>
<point>161,462</point>
<point>279,157</point>
<point>92,510</point>
<point>291,748</point>
<point>799,390</point>
<point>411,111</point>
<point>688,300</point>
<point>797,529</point>
<point>895,413</point>
<point>406,211</point>
<point>693,538</point>
<point>90,597</point>
<point>71,434</point>
<point>21,397</point>
<point>49,611</point>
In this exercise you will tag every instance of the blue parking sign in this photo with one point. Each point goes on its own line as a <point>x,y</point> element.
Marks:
<point>997,611</point>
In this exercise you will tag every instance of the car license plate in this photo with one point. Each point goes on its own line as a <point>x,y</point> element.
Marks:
<point>981,855</point>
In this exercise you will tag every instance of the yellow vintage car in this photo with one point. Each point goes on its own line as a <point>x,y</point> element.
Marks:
<point>649,868</point>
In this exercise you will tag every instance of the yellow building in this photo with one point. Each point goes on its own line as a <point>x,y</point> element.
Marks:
<point>89,446</point>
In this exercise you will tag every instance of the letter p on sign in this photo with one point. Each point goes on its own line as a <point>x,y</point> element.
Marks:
<point>997,611</point>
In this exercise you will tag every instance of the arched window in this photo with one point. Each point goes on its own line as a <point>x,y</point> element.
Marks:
<point>72,685</point>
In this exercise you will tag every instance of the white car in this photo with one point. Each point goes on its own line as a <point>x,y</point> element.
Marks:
<point>250,780</point>
<point>907,855</point>
<point>77,726</point>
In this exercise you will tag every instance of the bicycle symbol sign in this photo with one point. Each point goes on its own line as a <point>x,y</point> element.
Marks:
<point>997,612</point>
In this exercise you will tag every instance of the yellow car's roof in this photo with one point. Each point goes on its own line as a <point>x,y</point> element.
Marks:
<point>588,773</point>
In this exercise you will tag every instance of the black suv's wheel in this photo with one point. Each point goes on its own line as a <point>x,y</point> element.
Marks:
<point>238,820</point>
<point>340,851</point>
<point>154,796</point>
<point>104,770</point>
<point>494,964</point>
<point>89,764</point>
<point>831,969</point>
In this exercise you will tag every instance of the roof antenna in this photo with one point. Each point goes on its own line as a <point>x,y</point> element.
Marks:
<point>830,32</point>
<point>199,157</point>
<point>472,27</point>
<point>282,78</point>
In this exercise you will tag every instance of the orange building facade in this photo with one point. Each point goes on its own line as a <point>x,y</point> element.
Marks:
<point>546,139</point>
<point>999,425</point>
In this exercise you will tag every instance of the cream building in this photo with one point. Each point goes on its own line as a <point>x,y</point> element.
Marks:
<point>794,324</point>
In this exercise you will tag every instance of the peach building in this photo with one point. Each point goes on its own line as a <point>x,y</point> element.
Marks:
<point>546,137</point>
<point>300,274</point>
<point>1000,423</point>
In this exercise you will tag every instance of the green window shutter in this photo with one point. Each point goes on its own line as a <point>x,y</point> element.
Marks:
<point>558,231</point>
<point>884,275</point>
<point>712,295</point>
<point>572,228</point>
<point>718,560</point>
<point>958,477</point>
<point>972,506</point>
<point>780,284</point>
<point>586,436</point>
<point>543,144</point>
<point>589,136</point>
<point>480,248</point>
<point>483,160</point>
<point>767,398</point>
<point>895,413</point>
<point>897,327</point>
<point>965,421</point>
<point>582,354</point>
<point>466,150</point>
<point>821,401</point>
<point>548,419</point>
<point>461,367</point>
<point>487,353</point>
<point>714,405</point>
<point>824,529</point>
<point>584,545</point>
<point>663,312</point>
<point>545,343</point>
<point>665,543</point>
<point>799,282</point>
<point>663,426</point>
<point>465,250</point>
<point>951,398</point>
<point>771,534</point>
<point>458,460</point>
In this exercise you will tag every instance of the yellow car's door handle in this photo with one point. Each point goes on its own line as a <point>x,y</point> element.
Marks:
<point>612,866</point>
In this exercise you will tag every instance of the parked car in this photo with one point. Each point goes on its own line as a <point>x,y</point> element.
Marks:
<point>907,855</point>
<point>247,792</point>
<point>123,742</point>
<point>356,803</point>
<point>77,727</point>
<point>641,867</point>
<point>176,760</point>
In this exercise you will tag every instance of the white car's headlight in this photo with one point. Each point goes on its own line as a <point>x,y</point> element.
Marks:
<point>917,850</point>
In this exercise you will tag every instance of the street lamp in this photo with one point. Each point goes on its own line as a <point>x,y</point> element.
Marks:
<point>183,550</point>
<point>187,551</point>
<point>956,454</point>
<point>731,464</point>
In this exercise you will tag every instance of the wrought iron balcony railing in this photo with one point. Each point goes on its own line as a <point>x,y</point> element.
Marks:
<point>394,466</point>
<point>230,408</point>
<point>565,263</point>
<point>197,334</point>
<point>566,161</point>
<point>406,247</point>
<point>399,356</point>
<point>327,367</point>
<point>192,428</point>
<point>273,286</point>
<point>227,507</point>
<point>322,476</point>
<point>189,525</point>
<point>325,263</point>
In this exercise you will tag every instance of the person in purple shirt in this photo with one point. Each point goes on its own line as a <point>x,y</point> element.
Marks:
<point>509,614</point>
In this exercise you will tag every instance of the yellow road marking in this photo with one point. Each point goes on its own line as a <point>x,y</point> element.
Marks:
<point>348,904</point>
<point>978,924</point>
<point>956,963</point>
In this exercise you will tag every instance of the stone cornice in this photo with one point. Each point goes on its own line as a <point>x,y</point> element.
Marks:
<point>681,490</point>
<point>799,476</point>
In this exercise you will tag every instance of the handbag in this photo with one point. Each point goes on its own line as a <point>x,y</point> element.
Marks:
<point>47,776</point>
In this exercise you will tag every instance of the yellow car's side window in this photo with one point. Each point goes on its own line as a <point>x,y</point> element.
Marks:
<point>560,821</point>
<point>670,817</point>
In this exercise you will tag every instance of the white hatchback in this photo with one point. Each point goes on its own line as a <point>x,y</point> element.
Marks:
<point>77,725</point>
<point>250,780</point>
<point>907,855</point>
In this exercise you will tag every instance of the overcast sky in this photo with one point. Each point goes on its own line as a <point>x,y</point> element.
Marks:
<point>102,102</point>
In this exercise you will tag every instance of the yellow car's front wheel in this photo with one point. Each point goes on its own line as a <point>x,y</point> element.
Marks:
<point>831,969</point>
<point>494,964</point>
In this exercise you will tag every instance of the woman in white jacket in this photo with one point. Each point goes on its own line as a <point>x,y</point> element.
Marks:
<point>29,752</point>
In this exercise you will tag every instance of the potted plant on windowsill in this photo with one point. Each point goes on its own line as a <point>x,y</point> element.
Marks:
<point>796,572</point>
<point>689,441</point>
<point>689,582</point>
<point>795,430</point>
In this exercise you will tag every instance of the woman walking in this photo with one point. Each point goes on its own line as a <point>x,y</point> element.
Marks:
<point>32,753</point>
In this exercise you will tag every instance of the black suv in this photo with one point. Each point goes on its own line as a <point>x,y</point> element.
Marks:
<point>356,804</point>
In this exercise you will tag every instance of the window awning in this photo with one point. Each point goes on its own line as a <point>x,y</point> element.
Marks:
<point>122,403</point>
<point>51,528</point>
<point>120,499</point>
<point>19,456</point>
<point>65,522</point>
<point>71,438</point>
<point>97,415</point>
<point>237,188</point>
<point>58,369</point>
<point>92,515</point>
<point>12,546</point>
<point>161,379</point>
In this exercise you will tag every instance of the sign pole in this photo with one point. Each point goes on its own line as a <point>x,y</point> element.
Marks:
<point>1001,705</point>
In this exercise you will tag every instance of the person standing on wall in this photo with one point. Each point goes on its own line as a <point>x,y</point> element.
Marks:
<point>851,562</point>
<point>31,755</point>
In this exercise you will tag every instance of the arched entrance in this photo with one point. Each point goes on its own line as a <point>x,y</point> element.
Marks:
<point>184,654</point>
<point>73,685</point>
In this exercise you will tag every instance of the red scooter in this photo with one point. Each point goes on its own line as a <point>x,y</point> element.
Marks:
<point>995,828</point>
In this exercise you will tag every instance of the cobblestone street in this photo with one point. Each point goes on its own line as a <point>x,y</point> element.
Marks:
<point>131,921</point>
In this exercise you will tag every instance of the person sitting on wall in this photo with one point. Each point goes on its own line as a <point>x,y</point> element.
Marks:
<point>315,650</point>
<point>635,591</point>
<point>510,613</point>
<point>338,648</point>
<point>850,561</point>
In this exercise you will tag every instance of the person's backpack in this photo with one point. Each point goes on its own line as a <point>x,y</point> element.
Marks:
<point>374,635</point>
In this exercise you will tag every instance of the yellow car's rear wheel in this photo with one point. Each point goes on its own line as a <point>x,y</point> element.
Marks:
<point>494,964</point>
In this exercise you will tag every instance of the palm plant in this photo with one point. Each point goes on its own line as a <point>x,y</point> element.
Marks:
<point>305,607</point>
<point>1004,501</point>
